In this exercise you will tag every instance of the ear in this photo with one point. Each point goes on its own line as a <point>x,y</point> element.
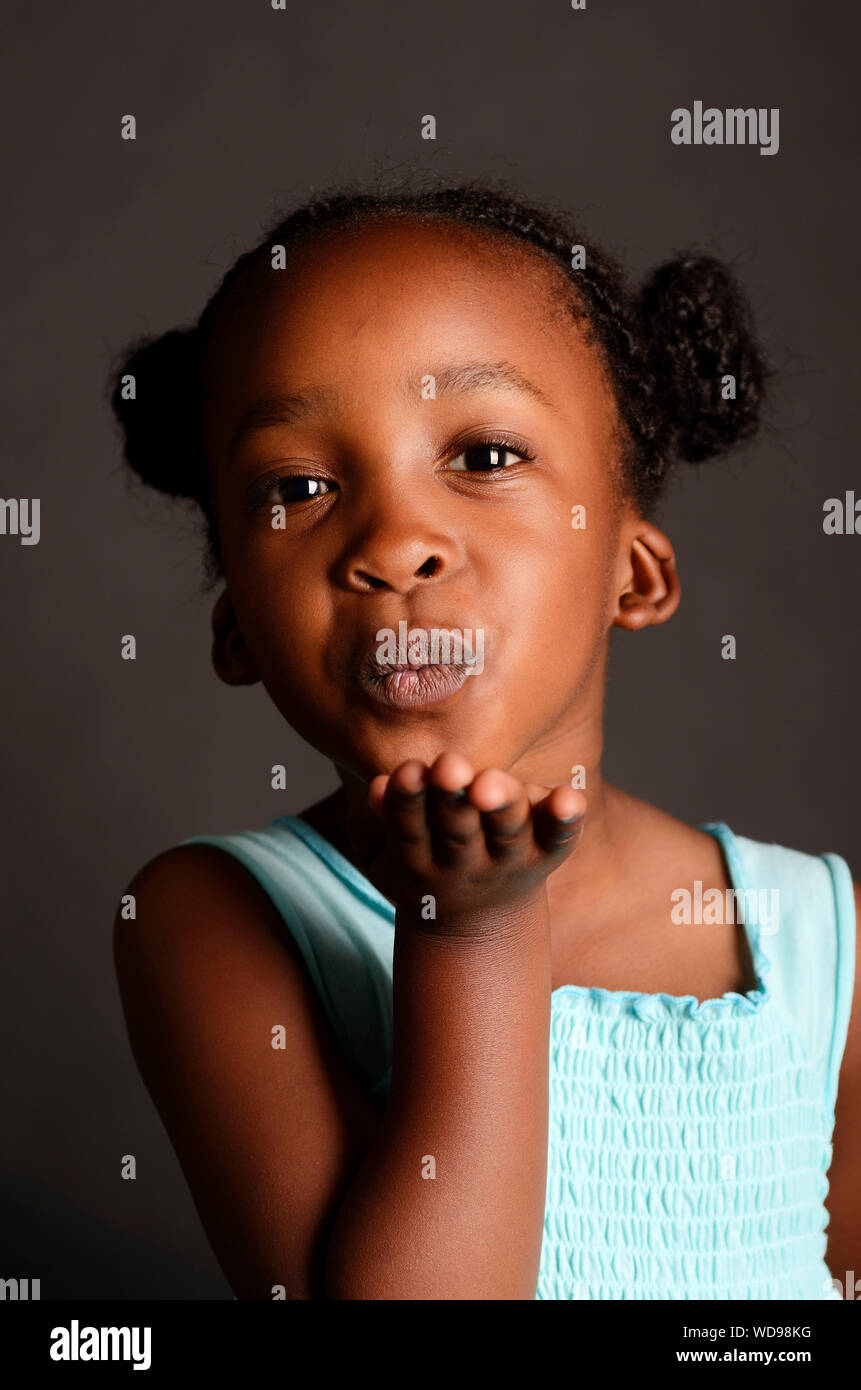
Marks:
<point>651,591</point>
<point>230,656</point>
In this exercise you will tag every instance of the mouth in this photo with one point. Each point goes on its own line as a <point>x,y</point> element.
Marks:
<point>410,686</point>
<point>419,666</point>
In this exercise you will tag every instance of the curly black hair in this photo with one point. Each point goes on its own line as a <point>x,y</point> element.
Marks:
<point>666,348</point>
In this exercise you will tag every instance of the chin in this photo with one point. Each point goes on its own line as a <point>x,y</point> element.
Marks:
<point>426,745</point>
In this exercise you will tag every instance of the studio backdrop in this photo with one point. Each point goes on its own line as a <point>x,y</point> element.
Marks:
<point>112,231</point>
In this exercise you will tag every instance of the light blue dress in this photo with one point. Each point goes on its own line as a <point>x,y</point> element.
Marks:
<point>688,1142</point>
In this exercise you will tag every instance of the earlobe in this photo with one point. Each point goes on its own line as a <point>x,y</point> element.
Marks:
<point>230,656</point>
<point>653,591</point>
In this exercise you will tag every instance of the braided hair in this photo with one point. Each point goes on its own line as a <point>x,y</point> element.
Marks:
<point>665,348</point>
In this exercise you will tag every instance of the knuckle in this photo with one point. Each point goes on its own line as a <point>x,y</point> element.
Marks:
<point>456,839</point>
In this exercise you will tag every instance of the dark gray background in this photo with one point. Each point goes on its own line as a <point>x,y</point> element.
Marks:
<point>107,762</point>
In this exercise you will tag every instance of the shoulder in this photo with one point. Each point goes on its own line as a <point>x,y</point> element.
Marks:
<point>809,937</point>
<point>206,948</point>
<point>195,932</point>
<point>179,868</point>
<point>186,865</point>
<point>800,873</point>
<point>235,1051</point>
<point>190,890</point>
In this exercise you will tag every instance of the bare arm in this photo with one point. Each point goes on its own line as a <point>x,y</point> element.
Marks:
<point>469,1096</point>
<point>449,1202</point>
<point>268,1138</point>
<point>297,1180</point>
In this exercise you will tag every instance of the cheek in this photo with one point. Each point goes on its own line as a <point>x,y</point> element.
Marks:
<point>284,628</point>
<point>569,583</point>
<point>557,629</point>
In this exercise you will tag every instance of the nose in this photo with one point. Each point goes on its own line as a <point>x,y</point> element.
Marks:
<point>399,545</point>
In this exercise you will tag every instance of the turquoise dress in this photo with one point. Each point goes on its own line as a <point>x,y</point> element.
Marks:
<point>688,1142</point>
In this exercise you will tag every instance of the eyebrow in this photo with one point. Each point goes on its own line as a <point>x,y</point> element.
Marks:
<point>452,380</point>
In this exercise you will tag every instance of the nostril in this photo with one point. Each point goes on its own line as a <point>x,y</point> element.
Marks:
<point>424,571</point>
<point>368,580</point>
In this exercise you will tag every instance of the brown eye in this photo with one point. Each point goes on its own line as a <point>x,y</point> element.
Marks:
<point>285,488</point>
<point>487,458</point>
<point>299,489</point>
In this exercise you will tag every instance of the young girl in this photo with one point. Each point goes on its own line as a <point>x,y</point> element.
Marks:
<point>449,1033</point>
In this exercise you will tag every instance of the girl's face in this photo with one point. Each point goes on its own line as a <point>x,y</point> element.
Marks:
<point>391,507</point>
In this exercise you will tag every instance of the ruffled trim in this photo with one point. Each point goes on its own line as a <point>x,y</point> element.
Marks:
<point>651,1008</point>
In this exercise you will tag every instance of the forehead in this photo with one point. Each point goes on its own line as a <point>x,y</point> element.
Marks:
<point>360,303</point>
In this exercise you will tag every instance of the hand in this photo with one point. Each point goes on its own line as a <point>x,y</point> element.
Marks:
<point>477,843</point>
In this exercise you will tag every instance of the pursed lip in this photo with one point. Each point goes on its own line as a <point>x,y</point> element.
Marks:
<point>411,686</point>
<point>413,682</point>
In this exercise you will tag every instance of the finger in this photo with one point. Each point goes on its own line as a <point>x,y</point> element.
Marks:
<point>504,807</point>
<point>376,792</point>
<point>403,806</point>
<point>454,823</point>
<point>557,820</point>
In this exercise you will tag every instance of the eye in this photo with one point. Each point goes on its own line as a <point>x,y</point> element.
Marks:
<point>489,456</point>
<point>285,488</point>
<point>296,487</point>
